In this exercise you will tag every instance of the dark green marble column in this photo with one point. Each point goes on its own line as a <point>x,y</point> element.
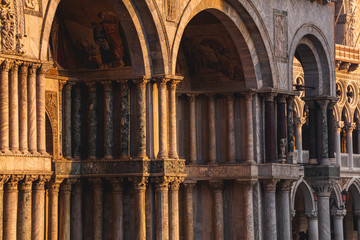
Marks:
<point>67,129</point>
<point>108,120</point>
<point>76,123</point>
<point>141,114</point>
<point>125,119</point>
<point>92,121</point>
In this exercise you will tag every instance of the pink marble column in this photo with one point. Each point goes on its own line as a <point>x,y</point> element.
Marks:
<point>11,207</point>
<point>98,208</point>
<point>219,209</point>
<point>53,209</point>
<point>23,111</point>
<point>189,210</point>
<point>38,206</point>
<point>76,212</point>
<point>40,110</point>
<point>24,216</point>
<point>231,129</point>
<point>174,208</point>
<point>163,119</point>
<point>3,180</point>
<point>32,118</point>
<point>140,219</point>
<point>14,110</point>
<point>172,123</point>
<point>249,129</point>
<point>117,192</point>
<point>162,208</point>
<point>212,130</point>
<point>4,107</point>
<point>192,113</point>
<point>65,196</point>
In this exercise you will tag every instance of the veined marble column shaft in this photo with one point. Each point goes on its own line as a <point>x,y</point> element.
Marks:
<point>324,218</point>
<point>290,130</point>
<point>67,128</point>
<point>299,122</point>
<point>141,116</point>
<point>282,124</point>
<point>108,121</point>
<point>125,120</point>
<point>323,132</point>
<point>313,138</point>
<point>24,219</point>
<point>140,219</point>
<point>92,121</point>
<point>212,130</point>
<point>11,208</point>
<point>338,126</point>
<point>192,113</point>
<point>53,209</point>
<point>38,206</point>
<point>23,111</point>
<point>163,119</point>
<point>173,153</point>
<point>162,208</point>
<point>65,194</point>
<point>231,129</point>
<point>270,142</point>
<point>249,209</point>
<point>270,209</point>
<point>32,116</point>
<point>76,212</point>
<point>189,210</point>
<point>174,209</point>
<point>3,179</point>
<point>40,105</point>
<point>349,143</point>
<point>313,225</point>
<point>4,107</point>
<point>76,123</point>
<point>117,192</point>
<point>98,209</point>
<point>14,109</point>
<point>285,229</point>
<point>338,217</point>
<point>219,209</point>
<point>249,129</point>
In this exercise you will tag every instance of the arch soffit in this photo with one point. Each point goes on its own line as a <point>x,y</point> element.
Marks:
<point>355,191</point>
<point>308,195</point>
<point>229,13</point>
<point>337,192</point>
<point>312,30</point>
<point>141,40</point>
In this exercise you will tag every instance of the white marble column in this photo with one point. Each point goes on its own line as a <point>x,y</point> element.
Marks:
<point>38,206</point>
<point>174,208</point>
<point>338,126</point>
<point>11,208</point>
<point>108,120</point>
<point>162,208</point>
<point>98,208</point>
<point>23,111</point>
<point>219,209</point>
<point>172,120</point>
<point>231,129</point>
<point>76,227</point>
<point>192,114</point>
<point>248,209</point>
<point>323,189</point>
<point>299,122</point>
<point>140,219</point>
<point>65,201</point>
<point>349,143</point>
<point>249,128</point>
<point>212,130</point>
<point>338,217</point>
<point>313,225</point>
<point>4,107</point>
<point>285,223</point>
<point>189,210</point>
<point>3,179</point>
<point>163,119</point>
<point>14,109</point>
<point>53,223</point>
<point>40,109</point>
<point>117,193</point>
<point>24,215</point>
<point>32,118</point>
<point>270,208</point>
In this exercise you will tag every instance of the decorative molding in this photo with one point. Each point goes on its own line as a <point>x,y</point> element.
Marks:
<point>51,106</point>
<point>33,7</point>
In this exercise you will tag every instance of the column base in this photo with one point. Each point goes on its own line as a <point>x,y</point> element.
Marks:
<point>325,162</point>
<point>107,157</point>
<point>92,158</point>
<point>313,161</point>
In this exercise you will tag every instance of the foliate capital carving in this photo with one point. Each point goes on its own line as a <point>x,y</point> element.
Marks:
<point>269,97</point>
<point>338,213</point>
<point>286,185</point>
<point>54,184</point>
<point>248,95</point>
<point>189,186</point>
<point>270,184</point>
<point>311,214</point>
<point>43,69</point>
<point>117,184</point>
<point>192,97</point>
<point>27,182</point>
<point>5,66</point>
<point>3,180</point>
<point>40,183</point>
<point>66,186</point>
<point>350,126</point>
<point>248,184</point>
<point>24,68</point>
<point>173,84</point>
<point>162,183</point>
<point>62,84</point>
<point>107,85</point>
<point>12,183</point>
<point>338,124</point>
<point>141,83</point>
<point>299,121</point>
<point>96,182</point>
<point>91,86</point>
<point>175,183</point>
<point>282,98</point>
<point>290,99</point>
<point>323,188</point>
<point>139,183</point>
<point>162,82</point>
<point>217,185</point>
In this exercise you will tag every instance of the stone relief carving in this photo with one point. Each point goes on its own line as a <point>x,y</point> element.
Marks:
<point>31,4</point>
<point>51,104</point>
<point>281,34</point>
<point>33,7</point>
<point>171,10</point>
<point>350,20</point>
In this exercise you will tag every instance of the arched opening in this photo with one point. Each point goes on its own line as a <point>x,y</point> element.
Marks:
<point>351,230</point>
<point>49,136</point>
<point>343,132</point>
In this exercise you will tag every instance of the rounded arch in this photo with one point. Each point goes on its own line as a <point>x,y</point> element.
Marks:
<point>262,69</point>
<point>318,50</point>
<point>132,25</point>
<point>307,193</point>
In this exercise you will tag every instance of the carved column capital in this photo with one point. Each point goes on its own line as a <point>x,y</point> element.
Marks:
<point>189,186</point>
<point>117,184</point>
<point>229,97</point>
<point>248,95</point>
<point>95,182</point>
<point>67,185</point>
<point>162,183</point>
<point>299,121</point>
<point>338,213</point>
<point>3,180</point>
<point>27,182</point>
<point>24,68</point>
<point>139,182</point>
<point>269,184</point>
<point>217,185</point>
<point>142,82</point>
<point>282,98</point>
<point>286,185</point>
<point>54,184</point>
<point>5,65</point>
<point>248,184</point>
<point>323,103</point>
<point>175,183</point>
<point>173,83</point>
<point>311,214</point>
<point>43,68</point>
<point>350,126</point>
<point>12,183</point>
<point>192,97</point>
<point>41,181</point>
<point>91,86</point>
<point>323,188</point>
<point>339,124</point>
<point>269,97</point>
<point>107,85</point>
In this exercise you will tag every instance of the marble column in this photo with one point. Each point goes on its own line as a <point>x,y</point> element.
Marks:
<point>357,214</point>
<point>338,217</point>
<point>282,128</point>
<point>231,129</point>
<point>248,209</point>
<point>312,225</point>
<point>4,107</point>
<point>313,137</point>
<point>192,114</point>
<point>270,143</point>
<point>338,126</point>
<point>24,215</point>
<point>141,116</point>
<point>349,143</point>
<point>92,121</point>
<point>219,209</point>
<point>163,119</point>
<point>108,120</point>
<point>38,206</point>
<point>23,111</point>
<point>40,109</point>
<point>249,129</point>
<point>299,122</point>
<point>174,208</point>
<point>14,109</point>
<point>3,179</point>
<point>140,219</point>
<point>270,208</point>
<point>76,227</point>
<point>189,210</point>
<point>173,153</point>
<point>67,128</point>
<point>53,189</point>
<point>212,130</point>
<point>323,133</point>
<point>162,208</point>
<point>11,208</point>
<point>125,120</point>
<point>76,123</point>
<point>290,130</point>
<point>117,193</point>
<point>32,116</point>
<point>98,208</point>
<point>65,196</point>
<point>358,137</point>
<point>331,131</point>
<point>285,229</point>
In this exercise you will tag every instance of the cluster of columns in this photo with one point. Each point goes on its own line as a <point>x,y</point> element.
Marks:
<point>22,108</point>
<point>230,128</point>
